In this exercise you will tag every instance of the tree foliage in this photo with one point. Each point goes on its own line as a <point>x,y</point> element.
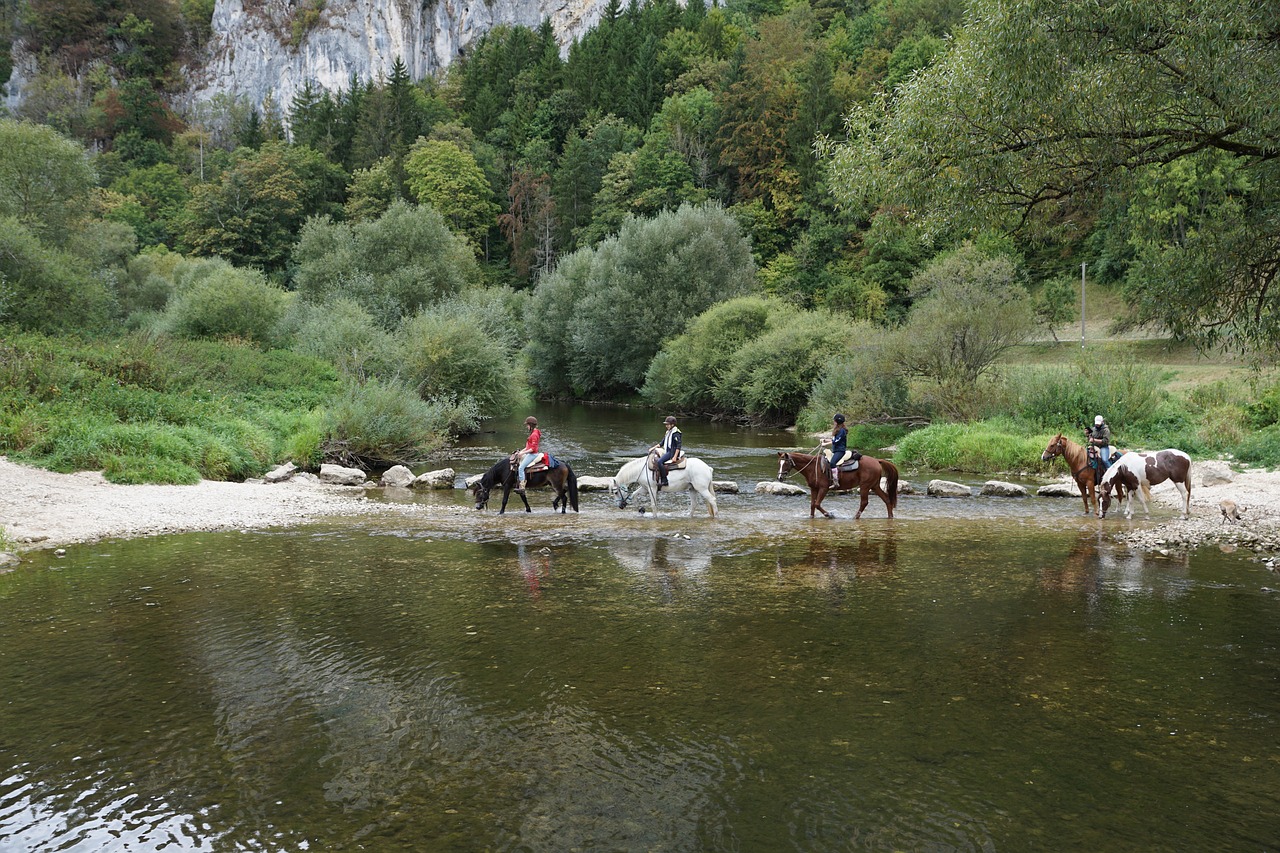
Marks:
<point>599,319</point>
<point>1041,108</point>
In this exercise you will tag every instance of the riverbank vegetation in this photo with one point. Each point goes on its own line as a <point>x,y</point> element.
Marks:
<point>758,211</point>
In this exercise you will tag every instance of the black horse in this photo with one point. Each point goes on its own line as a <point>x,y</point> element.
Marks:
<point>503,473</point>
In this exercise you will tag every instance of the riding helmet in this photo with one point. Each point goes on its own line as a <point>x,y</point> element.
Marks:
<point>838,419</point>
<point>670,419</point>
<point>531,421</point>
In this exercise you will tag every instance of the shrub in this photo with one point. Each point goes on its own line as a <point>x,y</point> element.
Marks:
<point>1261,447</point>
<point>227,303</point>
<point>48,289</point>
<point>450,354</point>
<point>343,333</point>
<point>998,445</point>
<point>772,375</point>
<point>394,266</point>
<point>863,382</point>
<point>1063,398</point>
<point>685,374</point>
<point>377,423</point>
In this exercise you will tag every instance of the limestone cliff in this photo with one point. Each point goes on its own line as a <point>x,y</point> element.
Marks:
<point>262,47</point>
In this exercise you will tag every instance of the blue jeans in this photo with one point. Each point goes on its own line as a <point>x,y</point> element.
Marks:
<point>525,461</point>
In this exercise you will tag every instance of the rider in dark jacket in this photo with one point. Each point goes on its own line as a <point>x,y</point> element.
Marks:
<point>670,445</point>
<point>839,446</point>
<point>1099,436</point>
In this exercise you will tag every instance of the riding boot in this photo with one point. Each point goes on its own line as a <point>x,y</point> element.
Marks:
<point>520,487</point>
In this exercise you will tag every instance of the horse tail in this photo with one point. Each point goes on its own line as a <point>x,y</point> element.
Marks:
<point>891,480</point>
<point>573,488</point>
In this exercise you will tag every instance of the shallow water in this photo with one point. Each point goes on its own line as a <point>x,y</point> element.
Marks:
<point>980,674</point>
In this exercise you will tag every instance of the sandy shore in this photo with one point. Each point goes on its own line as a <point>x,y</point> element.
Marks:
<point>42,509</point>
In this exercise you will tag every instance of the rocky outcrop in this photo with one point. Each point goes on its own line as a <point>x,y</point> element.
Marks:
<point>594,484</point>
<point>724,487</point>
<point>397,476</point>
<point>260,48</point>
<point>337,475</point>
<point>1058,490</point>
<point>773,487</point>
<point>442,479</point>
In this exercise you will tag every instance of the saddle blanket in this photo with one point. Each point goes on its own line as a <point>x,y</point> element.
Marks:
<point>849,464</point>
<point>543,462</point>
<point>677,462</point>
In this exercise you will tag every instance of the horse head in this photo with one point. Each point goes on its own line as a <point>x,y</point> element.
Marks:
<point>785,465</point>
<point>619,493</point>
<point>1057,447</point>
<point>481,492</point>
<point>1104,497</point>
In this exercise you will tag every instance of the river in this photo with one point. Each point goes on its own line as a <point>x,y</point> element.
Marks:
<point>976,674</point>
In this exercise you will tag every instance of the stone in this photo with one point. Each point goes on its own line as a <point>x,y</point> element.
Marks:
<point>338,475</point>
<point>1001,489</point>
<point>1211,472</point>
<point>594,484</point>
<point>442,479</point>
<point>8,561</point>
<point>1058,490</point>
<point>724,487</point>
<point>471,481</point>
<point>398,476</point>
<point>905,488</point>
<point>948,489</point>
<point>773,487</point>
<point>281,473</point>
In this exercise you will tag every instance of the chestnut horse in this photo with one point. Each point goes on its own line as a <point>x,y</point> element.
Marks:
<point>865,478</point>
<point>1077,459</point>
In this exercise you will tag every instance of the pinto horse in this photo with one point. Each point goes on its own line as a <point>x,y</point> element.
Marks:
<point>1138,472</point>
<point>1077,459</point>
<point>865,478</point>
<point>503,473</point>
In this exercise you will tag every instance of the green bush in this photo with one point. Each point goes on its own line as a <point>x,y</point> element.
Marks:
<point>864,383</point>
<point>450,354</point>
<point>49,289</point>
<point>1067,398</point>
<point>341,332</point>
<point>1260,448</point>
<point>395,266</point>
<point>685,374</point>
<point>772,375</point>
<point>998,445</point>
<point>377,423</point>
<point>227,303</point>
<point>1265,410</point>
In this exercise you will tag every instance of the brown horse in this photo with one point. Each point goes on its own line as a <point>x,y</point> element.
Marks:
<point>865,478</point>
<point>1077,459</point>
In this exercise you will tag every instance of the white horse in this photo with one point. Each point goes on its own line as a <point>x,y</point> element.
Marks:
<point>695,475</point>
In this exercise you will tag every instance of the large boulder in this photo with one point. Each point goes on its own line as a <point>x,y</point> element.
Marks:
<point>442,479</point>
<point>948,489</point>
<point>1211,472</point>
<point>1058,490</point>
<point>1001,489</point>
<point>773,487</point>
<point>280,473</point>
<point>905,488</point>
<point>727,487</point>
<point>338,475</point>
<point>398,476</point>
<point>594,484</point>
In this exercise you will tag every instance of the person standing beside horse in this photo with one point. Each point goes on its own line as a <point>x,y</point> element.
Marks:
<point>530,450</point>
<point>668,447</point>
<point>1099,436</point>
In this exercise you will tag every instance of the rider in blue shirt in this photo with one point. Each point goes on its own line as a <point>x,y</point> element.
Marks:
<point>838,442</point>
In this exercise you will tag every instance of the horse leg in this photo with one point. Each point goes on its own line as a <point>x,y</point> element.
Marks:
<point>1146,499</point>
<point>708,497</point>
<point>506,494</point>
<point>864,495</point>
<point>884,496</point>
<point>1085,490</point>
<point>815,502</point>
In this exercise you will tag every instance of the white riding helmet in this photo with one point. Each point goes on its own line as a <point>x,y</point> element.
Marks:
<point>1097,421</point>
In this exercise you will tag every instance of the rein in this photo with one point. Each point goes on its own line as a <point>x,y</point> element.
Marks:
<point>807,464</point>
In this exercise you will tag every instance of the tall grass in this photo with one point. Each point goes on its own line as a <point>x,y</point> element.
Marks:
<point>157,410</point>
<point>986,446</point>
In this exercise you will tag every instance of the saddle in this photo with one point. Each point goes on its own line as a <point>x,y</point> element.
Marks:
<point>850,462</point>
<point>677,462</point>
<point>542,462</point>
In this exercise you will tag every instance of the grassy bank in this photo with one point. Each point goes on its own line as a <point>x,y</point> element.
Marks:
<point>159,410</point>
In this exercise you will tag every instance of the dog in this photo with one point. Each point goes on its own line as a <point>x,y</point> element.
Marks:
<point>1231,511</point>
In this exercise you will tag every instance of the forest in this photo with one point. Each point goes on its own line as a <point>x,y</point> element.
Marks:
<point>761,210</point>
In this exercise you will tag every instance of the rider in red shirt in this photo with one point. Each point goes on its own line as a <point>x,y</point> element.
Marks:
<point>530,451</point>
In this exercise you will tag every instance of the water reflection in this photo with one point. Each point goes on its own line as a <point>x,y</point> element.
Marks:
<point>1096,564</point>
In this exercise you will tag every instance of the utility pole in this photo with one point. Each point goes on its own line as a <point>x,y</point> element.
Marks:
<point>1082,266</point>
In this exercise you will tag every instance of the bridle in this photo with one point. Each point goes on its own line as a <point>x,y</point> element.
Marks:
<point>800,468</point>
